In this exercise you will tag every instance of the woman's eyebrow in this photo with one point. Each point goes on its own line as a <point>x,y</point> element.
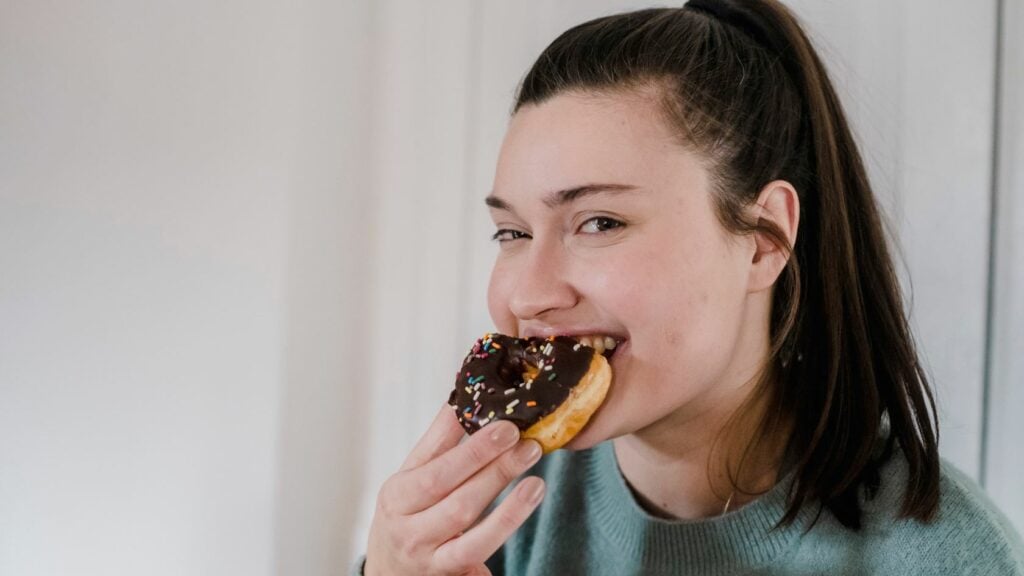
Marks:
<point>562,197</point>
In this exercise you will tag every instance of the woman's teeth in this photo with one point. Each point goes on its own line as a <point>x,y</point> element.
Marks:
<point>599,343</point>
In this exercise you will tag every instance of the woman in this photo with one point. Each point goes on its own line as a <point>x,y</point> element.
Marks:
<point>685,181</point>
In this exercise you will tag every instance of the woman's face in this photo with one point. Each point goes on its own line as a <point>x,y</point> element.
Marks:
<point>645,261</point>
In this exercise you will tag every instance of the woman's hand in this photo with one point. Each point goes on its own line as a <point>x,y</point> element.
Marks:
<point>423,522</point>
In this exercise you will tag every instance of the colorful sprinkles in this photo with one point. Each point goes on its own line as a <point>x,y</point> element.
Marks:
<point>532,358</point>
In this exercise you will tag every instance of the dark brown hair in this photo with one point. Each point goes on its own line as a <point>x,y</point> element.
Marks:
<point>744,89</point>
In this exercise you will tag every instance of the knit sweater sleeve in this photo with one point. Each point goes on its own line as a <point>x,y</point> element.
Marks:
<point>970,536</point>
<point>992,545</point>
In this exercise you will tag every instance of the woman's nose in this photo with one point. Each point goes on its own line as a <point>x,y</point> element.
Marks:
<point>541,286</point>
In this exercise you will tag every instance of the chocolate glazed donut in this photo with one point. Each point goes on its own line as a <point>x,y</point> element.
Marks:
<point>548,387</point>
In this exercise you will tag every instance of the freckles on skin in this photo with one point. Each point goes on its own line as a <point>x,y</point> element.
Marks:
<point>704,298</point>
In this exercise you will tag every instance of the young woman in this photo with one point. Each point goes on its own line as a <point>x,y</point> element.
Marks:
<point>684,180</point>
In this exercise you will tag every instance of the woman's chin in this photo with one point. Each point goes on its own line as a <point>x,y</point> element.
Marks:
<point>580,442</point>
<point>599,428</point>
<point>591,435</point>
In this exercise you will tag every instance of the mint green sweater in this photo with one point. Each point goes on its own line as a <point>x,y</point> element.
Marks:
<point>590,524</point>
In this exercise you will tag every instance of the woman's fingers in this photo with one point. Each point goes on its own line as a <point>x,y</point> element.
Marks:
<point>465,504</point>
<point>479,543</point>
<point>409,524</point>
<point>422,487</point>
<point>444,433</point>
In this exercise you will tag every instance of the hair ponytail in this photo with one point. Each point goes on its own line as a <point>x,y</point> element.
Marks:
<point>745,89</point>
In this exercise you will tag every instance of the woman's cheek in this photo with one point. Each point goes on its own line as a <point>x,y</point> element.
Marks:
<point>492,289</point>
<point>498,298</point>
<point>640,290</point>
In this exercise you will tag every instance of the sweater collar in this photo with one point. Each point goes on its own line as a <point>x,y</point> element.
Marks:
<point>736,541</point>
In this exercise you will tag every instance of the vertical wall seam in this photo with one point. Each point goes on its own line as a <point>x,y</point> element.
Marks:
<point>993,238</point>
<point>470,157</point>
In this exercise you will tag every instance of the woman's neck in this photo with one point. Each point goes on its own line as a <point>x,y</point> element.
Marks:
<point>677,468</point>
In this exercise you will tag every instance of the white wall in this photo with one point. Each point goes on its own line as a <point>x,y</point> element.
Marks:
<point>244,244</point>
<point>182,195</point>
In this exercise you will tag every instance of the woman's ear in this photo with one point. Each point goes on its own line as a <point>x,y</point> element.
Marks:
<point>778,203</point>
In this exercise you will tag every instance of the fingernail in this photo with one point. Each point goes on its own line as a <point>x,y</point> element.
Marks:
<point>504,434</point>
<point>533,490</point>
<point>528,452</point>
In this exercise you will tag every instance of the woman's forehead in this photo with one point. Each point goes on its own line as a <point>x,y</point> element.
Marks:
<point>573,140</point>
<point>598,123</point>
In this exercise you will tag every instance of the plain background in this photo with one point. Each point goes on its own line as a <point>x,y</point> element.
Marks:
<point>243,246</point>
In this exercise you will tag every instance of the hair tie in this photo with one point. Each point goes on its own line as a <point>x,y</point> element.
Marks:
<point>728,13</point>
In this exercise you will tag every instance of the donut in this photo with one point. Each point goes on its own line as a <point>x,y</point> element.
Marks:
<point>548,387</point>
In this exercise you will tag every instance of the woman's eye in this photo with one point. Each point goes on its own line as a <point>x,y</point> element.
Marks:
<point>506,235</point>
<point>600,224</point>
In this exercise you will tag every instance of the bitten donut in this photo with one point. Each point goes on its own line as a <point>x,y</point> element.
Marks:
<point>548,387</point>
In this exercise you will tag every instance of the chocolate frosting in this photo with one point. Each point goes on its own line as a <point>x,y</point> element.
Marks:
<point>521,380</point>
